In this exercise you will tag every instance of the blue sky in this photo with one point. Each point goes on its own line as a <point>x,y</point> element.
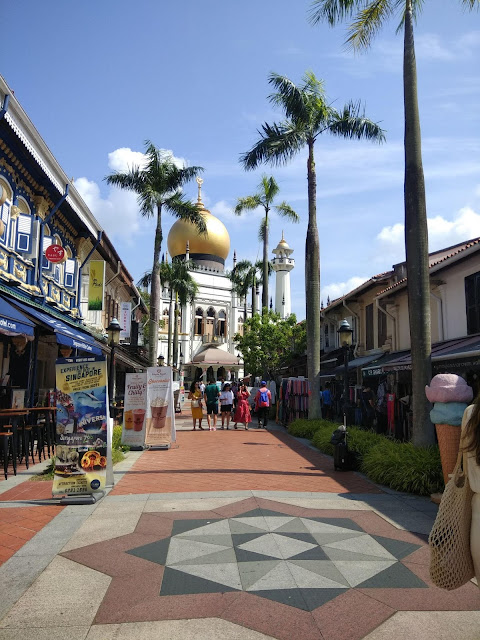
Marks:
<point>99,78</point>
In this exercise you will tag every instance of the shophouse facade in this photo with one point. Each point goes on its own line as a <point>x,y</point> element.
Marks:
<point>41,314</point>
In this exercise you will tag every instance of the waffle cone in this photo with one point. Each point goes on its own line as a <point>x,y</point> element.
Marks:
<point>448,443</point>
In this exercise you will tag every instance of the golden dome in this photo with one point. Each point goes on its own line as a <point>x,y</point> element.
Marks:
<point>216,242</point>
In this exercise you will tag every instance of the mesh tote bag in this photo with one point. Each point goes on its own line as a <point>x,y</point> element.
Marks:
<point>451,564</point>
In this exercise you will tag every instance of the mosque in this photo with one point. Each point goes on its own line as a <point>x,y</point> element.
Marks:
<point>207,326</point>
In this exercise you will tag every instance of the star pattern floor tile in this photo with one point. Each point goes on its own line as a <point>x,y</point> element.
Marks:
<point>265,552</point>
<point>285,573</point>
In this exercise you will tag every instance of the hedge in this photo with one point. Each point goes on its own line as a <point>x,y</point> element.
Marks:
<point>398,465</point>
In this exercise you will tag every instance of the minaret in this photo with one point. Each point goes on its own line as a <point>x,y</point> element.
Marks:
<point>282,265</point>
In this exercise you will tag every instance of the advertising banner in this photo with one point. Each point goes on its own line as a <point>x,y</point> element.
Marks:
<point>160,411</point>
<point>125,319</point>
<point>96,285</point>
<point>134,409</point>
<point>81,425</point>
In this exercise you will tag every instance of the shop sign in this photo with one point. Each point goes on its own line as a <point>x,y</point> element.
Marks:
<point>134,409</point>
<point>96,285</point>
<point>55,253</point>
<point>81,425</point>
<point>160,410</point>
<point>374,371</point>
<point>125,319</point>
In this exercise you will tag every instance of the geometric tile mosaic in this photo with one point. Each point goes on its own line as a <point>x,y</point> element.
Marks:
<point>300,561</point>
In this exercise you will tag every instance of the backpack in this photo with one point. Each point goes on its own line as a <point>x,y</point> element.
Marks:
<point>263,400</point>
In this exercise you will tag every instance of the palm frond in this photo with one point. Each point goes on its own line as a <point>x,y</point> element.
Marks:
<point>351,122</point>
<point>146,280</point>
<point>248,203</point>
<point>263,229</point>
<point>278,144</point>
<point>269,188</point>
<point>368,23</point>
<point>289,97</point>
<point>185,210</point>
<point>332,11</point>
<point>285,210</point>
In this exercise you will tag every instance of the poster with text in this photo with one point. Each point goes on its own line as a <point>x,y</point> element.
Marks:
<point>125,320</point>
<point>81,425</point>
<point>160,411</point>
<point>134,409</point>
<point>96,285</point>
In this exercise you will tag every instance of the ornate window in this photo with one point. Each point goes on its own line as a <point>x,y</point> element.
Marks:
<point>222,324</point>
<point>6,196</point>
<point>69,270</point>
<point>165,319</point>
<point>198,321</point>
<point>210,323</point>
<point>47,241</point>
<point>240,325</point>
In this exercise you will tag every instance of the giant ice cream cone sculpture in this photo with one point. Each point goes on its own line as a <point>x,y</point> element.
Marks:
<point>450,395</point>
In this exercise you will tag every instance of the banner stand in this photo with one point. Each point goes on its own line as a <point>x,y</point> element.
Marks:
<point>157,447</point>
<point>86,498</point>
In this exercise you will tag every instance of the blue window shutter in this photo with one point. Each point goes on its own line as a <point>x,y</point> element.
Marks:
<point>24,233</point>
<point>69,273</point>
<point>47,241</point>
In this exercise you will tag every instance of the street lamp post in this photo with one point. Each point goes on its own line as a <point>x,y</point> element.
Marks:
<point>345,339</point>
<point>113,331</point>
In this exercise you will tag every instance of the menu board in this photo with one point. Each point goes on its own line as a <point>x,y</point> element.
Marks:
<point>81,425</point>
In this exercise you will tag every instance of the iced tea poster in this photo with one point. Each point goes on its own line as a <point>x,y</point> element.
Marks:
<point>81,425</point>
<point>160,412</point>
<point>134,409</point>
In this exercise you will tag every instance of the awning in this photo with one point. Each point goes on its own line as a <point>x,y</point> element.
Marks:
<point>66,335</point>
<point>212,356</point>
<point>357,362</point>
<point>376,367</point>
<point>14,323</point>
<point>456,349</point>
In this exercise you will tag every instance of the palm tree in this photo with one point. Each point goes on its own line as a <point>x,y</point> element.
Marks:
<point>158,186</point>
<point>176,276</point>
<point>267,191</point>
<point>308,115</point>
<point>241,282</point>
<point>369,16</point>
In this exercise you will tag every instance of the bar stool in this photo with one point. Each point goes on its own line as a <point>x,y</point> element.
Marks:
<point>9,448</point>
<point>25,437</point>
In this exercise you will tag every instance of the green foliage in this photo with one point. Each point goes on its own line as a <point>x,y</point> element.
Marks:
<point>398,465</point>
<point>117,440</point>
<point>404,467</point>
<point>266,344</point>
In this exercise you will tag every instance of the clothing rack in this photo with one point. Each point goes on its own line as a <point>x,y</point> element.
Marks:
<point>293,400</point>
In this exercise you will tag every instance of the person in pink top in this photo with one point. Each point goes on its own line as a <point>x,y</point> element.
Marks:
<point>242,412</point>
<point>263,400</point>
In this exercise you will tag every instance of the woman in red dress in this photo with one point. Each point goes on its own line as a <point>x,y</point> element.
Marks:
<point>242,412</point>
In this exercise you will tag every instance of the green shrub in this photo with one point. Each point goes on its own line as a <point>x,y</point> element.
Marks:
<point>403,467</point>
<point>398,465</point>
<point>117,440</point>
<point>307,428</point>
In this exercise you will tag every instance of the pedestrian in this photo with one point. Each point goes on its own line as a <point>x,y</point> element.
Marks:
<point>327,402</point>
<point>263,399</point>
<point>226,403</point>
<point>202,387</point>
<point>195,396</point>
<point>211,395</point>
<point>242,412</point>
<point>471,444</point>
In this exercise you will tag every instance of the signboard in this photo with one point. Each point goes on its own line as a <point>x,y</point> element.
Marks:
<point>96,285</point>
<point>55,253</point>
<point>134,409</point>
<point>160,410</point>
<point>125,319</point>
<point>81,425</point>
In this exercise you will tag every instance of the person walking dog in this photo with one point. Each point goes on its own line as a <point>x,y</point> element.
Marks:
<point>263,400</point>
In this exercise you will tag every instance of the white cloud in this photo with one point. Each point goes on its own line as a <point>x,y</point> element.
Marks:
<point>118,211</point>
<point>429,46</point>
<point>465,225</point>
<point>337,289</point>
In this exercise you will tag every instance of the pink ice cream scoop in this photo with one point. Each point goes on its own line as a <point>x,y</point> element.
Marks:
<point>448,387</point>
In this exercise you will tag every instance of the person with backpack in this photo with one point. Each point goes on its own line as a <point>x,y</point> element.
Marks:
<point>211,395</point>
<point>263,400</point>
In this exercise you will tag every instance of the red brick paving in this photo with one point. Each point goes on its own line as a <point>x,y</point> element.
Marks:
<point>19,524</point>
<point>237,460</point>
<point>39,490</point>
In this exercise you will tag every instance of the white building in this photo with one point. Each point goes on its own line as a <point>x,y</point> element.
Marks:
<point>282,264</point>
<point>207,326</point>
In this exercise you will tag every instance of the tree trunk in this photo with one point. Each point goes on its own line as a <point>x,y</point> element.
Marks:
<point>170,327</point>
<point>254,296</point>
<point>175,333</point>
<point>155,293</point>
<point>312,290</point>
<point>265,267</point>
<point>416,245</point>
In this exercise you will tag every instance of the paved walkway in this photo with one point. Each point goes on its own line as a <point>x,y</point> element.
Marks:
<point>233,535</point>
